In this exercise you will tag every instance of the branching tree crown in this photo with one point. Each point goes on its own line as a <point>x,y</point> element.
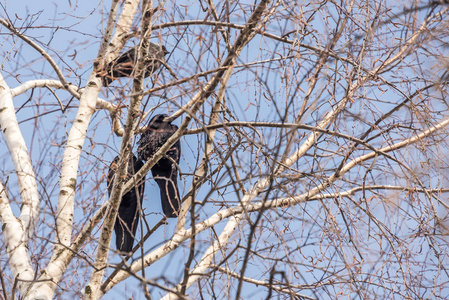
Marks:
<point>314,149</point>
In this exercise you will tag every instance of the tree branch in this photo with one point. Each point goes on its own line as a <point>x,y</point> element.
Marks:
<point>41,51</point>
<point>101,103</point>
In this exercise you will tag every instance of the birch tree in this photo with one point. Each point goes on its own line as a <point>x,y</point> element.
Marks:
<point>314,150</point>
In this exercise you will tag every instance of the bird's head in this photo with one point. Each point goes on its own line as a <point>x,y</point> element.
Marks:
<point>159,49</point>
<point>157,121</point>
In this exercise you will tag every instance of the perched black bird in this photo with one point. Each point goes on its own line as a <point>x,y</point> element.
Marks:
<point>123,65</point>
<point>164,171</point>
<point>128,213</point>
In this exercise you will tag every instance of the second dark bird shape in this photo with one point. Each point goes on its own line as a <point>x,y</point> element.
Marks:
<point>128,213</point>
<point>165,171</point>
<point>123,65</point>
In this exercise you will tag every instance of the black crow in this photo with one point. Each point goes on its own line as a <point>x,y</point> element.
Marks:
<point>128,213</point>
<point>123,65</point>
<point>165,171</point>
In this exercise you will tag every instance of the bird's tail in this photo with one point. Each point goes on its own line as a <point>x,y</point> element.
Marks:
<point>170,199</point>
<point>107,80</point>
<point>124,236</point>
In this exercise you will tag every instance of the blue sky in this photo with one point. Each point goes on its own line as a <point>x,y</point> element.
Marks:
<point>71,32</point>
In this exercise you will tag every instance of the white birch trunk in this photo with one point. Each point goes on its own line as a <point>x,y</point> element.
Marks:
<point>17,231</point>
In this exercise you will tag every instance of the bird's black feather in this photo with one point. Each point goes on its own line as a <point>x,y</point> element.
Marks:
<point>123,65</point>
<point>128,213</point>
<point>165,171</point>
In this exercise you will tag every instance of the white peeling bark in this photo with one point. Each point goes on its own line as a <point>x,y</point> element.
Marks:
<point>19,256</point>
<point>70,161</point>
<point>19,154</point>
<point>16,248</point>
<point>67,185</point>
<point>121,29</point>
<point>17,231</point>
